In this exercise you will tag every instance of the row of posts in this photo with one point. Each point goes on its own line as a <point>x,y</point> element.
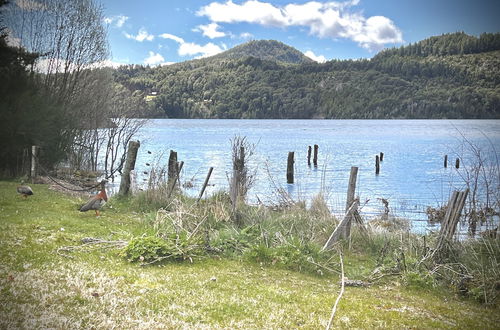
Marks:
<point>290,162</point>
<point>175,167</point>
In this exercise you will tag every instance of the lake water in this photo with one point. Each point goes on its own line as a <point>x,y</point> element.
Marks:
<point>412,175</point>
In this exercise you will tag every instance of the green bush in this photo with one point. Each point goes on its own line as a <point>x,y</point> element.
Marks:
<point>291,254</point>
<point>151,249</point>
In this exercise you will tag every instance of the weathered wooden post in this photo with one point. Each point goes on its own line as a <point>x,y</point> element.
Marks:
<point>381,156</point>
<point>239,178</point>
<point>377,165</point>
<point>315,157</point>
<point>133,147</point>
<point>205,183</point>
<point>34,163</point>
<point>351,191</point>
<point>173,167</point>
<point>450,221</point>
<point>343,230</point>
<point>457,163</point>
<point>174,181</point>
<point>445,163</point>
<point>289,167</point>
<point>309,156</point>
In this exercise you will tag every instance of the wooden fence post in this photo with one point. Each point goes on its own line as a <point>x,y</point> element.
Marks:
<point>34,163</point>
<point>445,163</point>
<point>309,156</point>
<point>239,177</point>
<point>351,192</point>
<point>174,181</point>
<point>315,157</point>
<point>450,221</point>
<point>205,183</point>
<point>289,167</point>
<point>377,165</point>
<point>133,147</point>
<point>173,167</point>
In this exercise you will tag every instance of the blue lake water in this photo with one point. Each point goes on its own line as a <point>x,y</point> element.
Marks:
<point>412,174</point>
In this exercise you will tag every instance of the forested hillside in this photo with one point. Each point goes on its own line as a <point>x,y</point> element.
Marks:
<point>450,76</point>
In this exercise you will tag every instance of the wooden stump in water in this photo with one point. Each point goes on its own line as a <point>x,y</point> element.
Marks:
<point>289,167</point>
<point>381,156</point>
<point>377,165</point>
<point>315,157</point>
<point>309,156</point>
<point>445,163</point>
<point>457,163</point>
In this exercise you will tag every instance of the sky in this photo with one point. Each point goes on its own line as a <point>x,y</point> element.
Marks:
<point>161,32</point>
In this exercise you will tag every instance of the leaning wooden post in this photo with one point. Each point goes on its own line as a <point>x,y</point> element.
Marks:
<point>315,157</point>
<point>351,191</point>
<point>377,165</point>
<point>309,149</point>
<point>174,182</point>
<point>445,163</point>
<point>450,222</point>
<point>205,184</point>
<point>457,163</point>
<point>34,163</point>
<point>133,147</point>
<point>341,229</point>
<point>289,167</point>
<point>381,156</point>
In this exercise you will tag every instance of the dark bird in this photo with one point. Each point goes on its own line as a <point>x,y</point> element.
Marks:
<point>96,202</point>
<point>24,190</point>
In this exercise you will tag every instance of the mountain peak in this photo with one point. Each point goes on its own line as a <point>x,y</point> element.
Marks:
<point>270,50</point>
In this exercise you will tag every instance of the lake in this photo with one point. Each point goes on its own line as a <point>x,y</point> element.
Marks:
<point>412,175</point>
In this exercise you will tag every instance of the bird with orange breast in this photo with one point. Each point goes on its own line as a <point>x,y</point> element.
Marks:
<point>96,202</point>
<point>24,190</point>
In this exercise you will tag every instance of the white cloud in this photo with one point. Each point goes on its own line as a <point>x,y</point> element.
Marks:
<point>172,37</point>
<point>314,57</point>
<point>325,20</point>
<point>190,49</point>
<point>246,35</point>
<point>154,59</point>
<point>252,11</point>
<point>210,30</point>
<point>141,36</point>
<point>117,20</point>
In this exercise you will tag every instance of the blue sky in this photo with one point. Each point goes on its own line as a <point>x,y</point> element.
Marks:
<point>167,31</point>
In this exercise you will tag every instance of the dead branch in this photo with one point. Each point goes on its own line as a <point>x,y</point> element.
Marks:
<point>334,309</point>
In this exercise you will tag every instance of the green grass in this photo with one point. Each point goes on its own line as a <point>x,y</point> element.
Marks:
<point>44,287</point>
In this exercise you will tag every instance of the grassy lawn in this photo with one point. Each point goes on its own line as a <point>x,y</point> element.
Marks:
<point>44,286</point>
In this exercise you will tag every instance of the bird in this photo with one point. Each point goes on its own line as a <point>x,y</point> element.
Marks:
<point>24,190</point>
<point>96,202</point>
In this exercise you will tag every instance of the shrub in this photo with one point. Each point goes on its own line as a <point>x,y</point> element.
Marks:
<point>151,249</point>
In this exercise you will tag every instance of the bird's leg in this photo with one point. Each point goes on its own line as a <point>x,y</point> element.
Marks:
<point>97,213</point>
